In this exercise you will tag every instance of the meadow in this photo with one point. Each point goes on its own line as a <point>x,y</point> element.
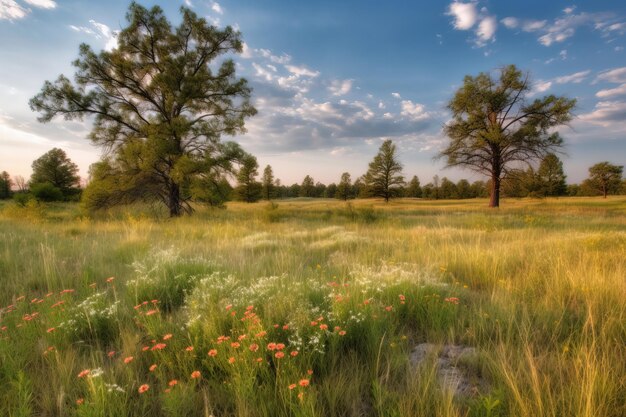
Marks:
<point>314,308</point>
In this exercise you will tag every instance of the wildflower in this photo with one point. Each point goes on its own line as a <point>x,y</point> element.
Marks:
<point>231,359</point>
<point>280,346</point>
<point>195,375</point>
<point>300,396</point>
<point>304,383</point>
<point>279,355</point>
<point>249,308</point>
<point>342,333</point>
<point>259,360</point>
<point>151,312</point>
<point>323,326</point>
<point>388,308</point>
<point>271,346</point>
<point>50,330</point>
<point>241,337</point>
<point>313,323</point>
<point>143,388</point>
<point>212,352</point>
<point>167,336</point>
<point>294,353</point>
<point>286,327</point>
<point>111,354</point>
<point>84,373</point>
<point>80,401</point>
<point>189,349</point>
<point>128,359</point>
<point>309,372</point>
<point>292,386</point>
<point>152,367</point>
<point>229,306</point>
<point>235,345</point>
<point>261,334</point>
<point>159,346</point>
<point>254,347</point>
<point>146,348</point>
<point>110,279</point>
<point>452,300</point>
<point>172,382</point>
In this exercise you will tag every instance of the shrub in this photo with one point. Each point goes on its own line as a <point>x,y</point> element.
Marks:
<point>46,192</point>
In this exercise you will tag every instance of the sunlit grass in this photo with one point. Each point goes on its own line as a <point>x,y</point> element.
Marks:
<point>540,285</point>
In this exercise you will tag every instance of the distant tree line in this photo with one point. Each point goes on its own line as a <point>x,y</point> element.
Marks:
<point>55,178</point>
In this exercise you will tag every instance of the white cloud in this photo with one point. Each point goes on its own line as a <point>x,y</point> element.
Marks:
<point>188,3</point>
<point>99,31</point>
<point>618,48</point>
<point>10,10</point>
<point>396,95</point>
<point>301,71</point>
<point>554,36</point>
<point>612,92</point>
<point>414,111</point>
<point>510,22</point>
<point>43,4</point>
<point>569,10</point>
<point>615,75</point>
<point>575,78</point>
<point>540,87</point>
<point>606,113</point>
<point>533,25</point>
<point>340,88</point>
<point>465,15</point>
<point>215,6</point>
<point>262,72</point>
<point>486,30</point>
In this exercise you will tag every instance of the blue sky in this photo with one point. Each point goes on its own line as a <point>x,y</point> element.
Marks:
<point>332,80</point>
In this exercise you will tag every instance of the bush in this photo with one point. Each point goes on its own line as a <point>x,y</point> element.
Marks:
<point>46,192</point>
<point>22,199</point>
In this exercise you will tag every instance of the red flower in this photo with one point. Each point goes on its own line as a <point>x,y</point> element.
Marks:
<point>304,383</point>
<point>84,373</point>
<point>167,336</point>
<point>152,367</point>
<point>280,355</point>
<point>172,382</point>
<point>143,388</point>
<point>195,375</point>
<point>254,347</point>
<point>212,352</point>
<point>128,359</point>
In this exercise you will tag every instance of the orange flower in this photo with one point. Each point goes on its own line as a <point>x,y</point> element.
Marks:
<point>323,326</point>
<point>292,386</point>
<point>143,388</point>
<point>231,359</point>
<point>294,353</point>
<point>342,333</point>
<point>271,346</point>
<point>259,360</point>
<point>241,337</point>
<point>235,345</point>
<point>389,308</point>
<point>189,348</point>
<point>304,383</point>
<point>159,346</point>
<point>110,279</point>
<point>309,372</point>
<point>212,352</point>
<point>286,327</point>
<point>111,354</point>
<point>254,347</point>
<point>80,401</point>
<point>128,359</point>
<point>279,355</point>
<point>172,382</point>
<point>261,334</point>
<point>195,375</point>
<point>84,373</point>
<point>50,330</point>
<point>152,367</point>
<point>167,336</point>
<point>280,346</point>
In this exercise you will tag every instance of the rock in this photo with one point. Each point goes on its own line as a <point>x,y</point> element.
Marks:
<point>458,380</point>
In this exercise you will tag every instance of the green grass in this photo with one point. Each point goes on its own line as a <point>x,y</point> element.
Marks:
<point>351,288</point>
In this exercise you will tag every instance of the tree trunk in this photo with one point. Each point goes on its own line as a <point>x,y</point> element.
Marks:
<point>495,191</point>
<point>174,201</point>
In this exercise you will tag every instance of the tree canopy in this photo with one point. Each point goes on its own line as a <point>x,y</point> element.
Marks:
<point>495,126</point>
<point>160,105</point>
<point>605,178</point>
<point>56,169</point>
<point>384,175</point>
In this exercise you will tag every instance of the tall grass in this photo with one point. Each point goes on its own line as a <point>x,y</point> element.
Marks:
<point>350,288</point>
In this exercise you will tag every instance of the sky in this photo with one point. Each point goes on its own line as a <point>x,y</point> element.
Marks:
<point>333,79</point>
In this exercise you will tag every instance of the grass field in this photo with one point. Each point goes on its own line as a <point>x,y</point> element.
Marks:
<point>313,307</point>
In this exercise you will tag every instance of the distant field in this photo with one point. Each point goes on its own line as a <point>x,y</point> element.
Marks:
<point>313,308</point>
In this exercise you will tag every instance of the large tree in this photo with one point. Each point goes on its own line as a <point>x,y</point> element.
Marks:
<point>551,177</point>
<point>384,176</point>
<point>57,169</point>
<point>5,185</point>
<point>160,104</point>
<point>307,189</point>
<point>248,188</point>
<point>605,178</point>
<point>344,189</point>
<point>414,190</point>
<point>267,183</point>
<point>495,127</point>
